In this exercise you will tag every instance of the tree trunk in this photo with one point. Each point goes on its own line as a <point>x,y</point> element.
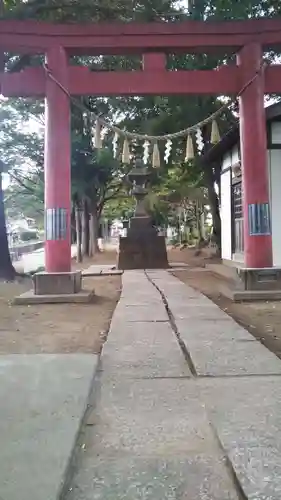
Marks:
<point>7,271</point>
<point>214,206</point>
<point>73,226</point>
<point>200,221</point>
<point>78,234</point>
<point>94,232</point>
<point>91,237</point>
<point>85,229</point>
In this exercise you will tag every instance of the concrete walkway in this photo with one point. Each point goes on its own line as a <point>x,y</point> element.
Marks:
<point>187,406</point>
<point>43,398</point>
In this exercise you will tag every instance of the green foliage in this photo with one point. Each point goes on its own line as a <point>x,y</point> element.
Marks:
<point>96,176</point>
<point>20,202</point>
<point>121,207</point>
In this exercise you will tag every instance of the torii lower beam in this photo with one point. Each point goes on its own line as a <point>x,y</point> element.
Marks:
<point>226,80</point>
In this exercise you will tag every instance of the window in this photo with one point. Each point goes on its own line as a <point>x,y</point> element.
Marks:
<point>237,201</point>
<point>276,133</point>
<point>238,219</point>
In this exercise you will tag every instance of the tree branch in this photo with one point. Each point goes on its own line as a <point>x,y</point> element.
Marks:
<point>22,184</point>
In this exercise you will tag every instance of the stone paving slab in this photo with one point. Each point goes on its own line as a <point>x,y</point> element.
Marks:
<point>99,267</point>
<point>212,331</point>
<point>151,478</point>
<point>43,399</point>
<point>101,270</point>
<point>179,264</point>
<point>141,313</point>
<point>139,301</point>
<point>246,413</point>
<point>136,285</point>
<point>233,358</point>
<point>182,307</point>
<point>200,313</point>
<point>144,299</point>
<point>151,440</point>
<point>140,297</point>
<point>150,417</point>
<point>105,272</point>
<point>172,287</point>
<point>145,350</point>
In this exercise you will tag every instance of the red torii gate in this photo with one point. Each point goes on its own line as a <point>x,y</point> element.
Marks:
<point>153,42</point>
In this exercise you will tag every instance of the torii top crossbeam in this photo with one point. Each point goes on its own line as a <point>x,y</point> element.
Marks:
<point>99,39</point>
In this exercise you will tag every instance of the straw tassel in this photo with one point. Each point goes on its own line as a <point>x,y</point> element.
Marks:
<point>199,140</point>
<point>156,163</point>
<point>115,144</point>
<point>98,141</point>
<point>189,155</point>
<point>215,133</point>
<point>146,145</point>
<point>126,152</point>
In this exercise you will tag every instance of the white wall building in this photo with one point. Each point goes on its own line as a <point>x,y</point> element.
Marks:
<point>227,152</point>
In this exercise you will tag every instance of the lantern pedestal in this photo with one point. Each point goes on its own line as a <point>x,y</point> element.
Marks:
<point>144,250</point>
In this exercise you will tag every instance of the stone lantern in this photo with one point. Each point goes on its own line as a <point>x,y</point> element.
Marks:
<point>142,248</point>
<point>138,177</point>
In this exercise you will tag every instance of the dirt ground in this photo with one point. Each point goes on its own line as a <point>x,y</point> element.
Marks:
<point>69,328</point>
<point>262,319</point>
<point>59,328</point>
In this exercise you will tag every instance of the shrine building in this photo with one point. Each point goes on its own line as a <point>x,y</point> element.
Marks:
<point>227,153</point>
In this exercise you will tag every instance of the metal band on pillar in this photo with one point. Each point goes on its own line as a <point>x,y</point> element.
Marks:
<point>259,219</point>
<point>55,224</point>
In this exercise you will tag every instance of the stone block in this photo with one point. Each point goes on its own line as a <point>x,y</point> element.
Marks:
<point>235,295</point>
<point>259,279</point>
<point>57,283</point>
<point>29,298</point>
<point>142,253</point>
<point>141,224</point>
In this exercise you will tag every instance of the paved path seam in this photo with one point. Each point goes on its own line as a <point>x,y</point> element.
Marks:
<point>175,328</point>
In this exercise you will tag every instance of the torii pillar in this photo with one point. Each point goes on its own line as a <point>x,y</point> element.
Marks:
<point>57,166</point>
<point>58,280</point>
<point>253,140</point>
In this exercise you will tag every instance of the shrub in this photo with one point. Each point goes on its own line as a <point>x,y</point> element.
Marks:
<point>29,235</point>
